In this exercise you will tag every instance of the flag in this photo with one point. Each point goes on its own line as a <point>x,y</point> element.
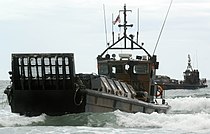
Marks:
<point>117,20</point>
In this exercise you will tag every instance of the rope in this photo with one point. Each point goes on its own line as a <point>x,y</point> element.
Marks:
<point>75,95</point>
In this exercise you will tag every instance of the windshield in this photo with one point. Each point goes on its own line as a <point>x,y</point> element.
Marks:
<point>103,69</point>
<point>140,69</point>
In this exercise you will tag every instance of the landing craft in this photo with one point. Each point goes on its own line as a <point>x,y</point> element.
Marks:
<point>47,82</point>
<point>191,80</point>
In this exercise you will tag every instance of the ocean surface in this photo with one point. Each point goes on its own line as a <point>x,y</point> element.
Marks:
<point>190,114</point>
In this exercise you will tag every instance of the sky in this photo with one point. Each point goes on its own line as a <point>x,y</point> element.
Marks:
<point>77,26</point>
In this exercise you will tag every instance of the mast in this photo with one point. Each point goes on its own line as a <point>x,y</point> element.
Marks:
<point>189,66</point>
<point>125,37</point>
<point>125,24</point>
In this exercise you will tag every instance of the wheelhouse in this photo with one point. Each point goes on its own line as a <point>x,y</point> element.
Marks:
<point>139,71</point>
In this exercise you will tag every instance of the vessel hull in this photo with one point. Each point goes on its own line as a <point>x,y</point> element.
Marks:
<point>34,103</point>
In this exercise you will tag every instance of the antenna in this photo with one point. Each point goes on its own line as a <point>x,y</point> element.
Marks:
<point>112,28</point>
<point>137,37</point>
<point>162,27</point>
<point>105,24</point>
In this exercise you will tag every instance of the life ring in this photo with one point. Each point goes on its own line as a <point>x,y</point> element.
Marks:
<point>159,91</point>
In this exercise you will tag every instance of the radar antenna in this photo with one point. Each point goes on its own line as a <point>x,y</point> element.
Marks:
<point>189,66</point>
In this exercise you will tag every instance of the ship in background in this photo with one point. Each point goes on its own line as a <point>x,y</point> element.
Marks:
<point>191,80</point>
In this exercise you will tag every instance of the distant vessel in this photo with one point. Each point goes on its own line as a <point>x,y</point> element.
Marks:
<point>191,80</point>
<point>47,83</point>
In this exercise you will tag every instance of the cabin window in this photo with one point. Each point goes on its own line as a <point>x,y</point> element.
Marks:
<point>103,69</point>
<point>127,67</point>
<point>117,69</point>
<point>187,74</point>
<point>140,69</point>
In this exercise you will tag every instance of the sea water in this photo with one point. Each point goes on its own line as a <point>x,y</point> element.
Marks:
<point>190,113</point>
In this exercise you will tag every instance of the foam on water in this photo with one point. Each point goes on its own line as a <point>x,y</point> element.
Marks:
<point>202,92</point>
<point>186,122</point>
<point>189,105</point>
<point>9,119</point>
